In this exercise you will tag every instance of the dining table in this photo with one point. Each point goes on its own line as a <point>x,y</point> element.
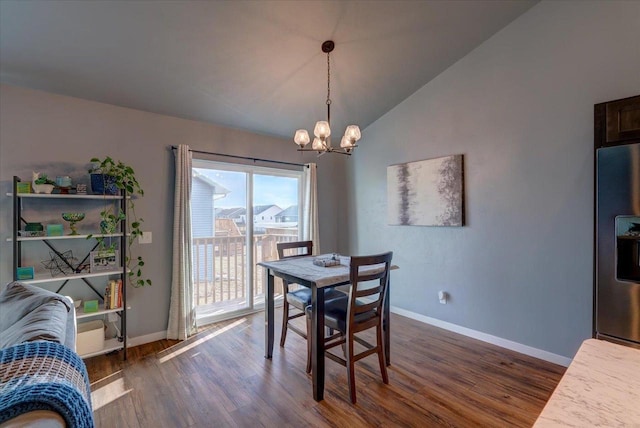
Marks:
<point>303,271</point>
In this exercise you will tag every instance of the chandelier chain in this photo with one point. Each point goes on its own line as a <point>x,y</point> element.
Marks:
<point>328,79</point>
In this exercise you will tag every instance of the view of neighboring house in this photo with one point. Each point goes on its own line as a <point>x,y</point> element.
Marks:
<point>265,213</point>
<point>204,211</point>
<point>261,214</point>
<point>264,216</point>
<point>237,214</point>
<point>204,191</point>
<point>288,215</point>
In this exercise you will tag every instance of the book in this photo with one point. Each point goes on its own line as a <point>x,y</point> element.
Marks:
<point>113,294</point>
<point>107,296</point>
<point>117,292</point>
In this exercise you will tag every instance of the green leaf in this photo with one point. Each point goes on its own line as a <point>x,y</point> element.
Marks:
<point>125,179</point>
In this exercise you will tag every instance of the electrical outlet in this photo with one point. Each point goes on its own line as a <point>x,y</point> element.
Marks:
<point>443,296</point>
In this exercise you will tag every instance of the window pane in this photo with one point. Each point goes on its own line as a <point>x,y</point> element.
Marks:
<point>275,204</point>
<point>225,248</point>
<point>218,224</point>
<point>275,219</point>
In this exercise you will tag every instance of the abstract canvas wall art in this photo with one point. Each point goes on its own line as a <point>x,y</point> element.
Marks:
<point>426,193</point>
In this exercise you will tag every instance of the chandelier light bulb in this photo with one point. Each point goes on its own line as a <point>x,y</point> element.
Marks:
<point>301,138</point>
<point>322,129</point>
<point>317,144</point>
<point>353,133</point>
<point>346,143</point>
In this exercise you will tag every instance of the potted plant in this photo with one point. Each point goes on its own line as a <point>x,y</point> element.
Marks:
<point>41,183</point>
<point>103,179</point>
<point>121,177</point>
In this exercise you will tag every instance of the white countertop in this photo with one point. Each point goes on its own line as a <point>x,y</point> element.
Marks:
<point>601,388</point>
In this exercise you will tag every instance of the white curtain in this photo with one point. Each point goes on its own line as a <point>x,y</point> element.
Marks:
<point>310,229</point>
<point>182,311</point>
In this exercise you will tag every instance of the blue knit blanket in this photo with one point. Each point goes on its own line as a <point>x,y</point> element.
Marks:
<point>44,376</point>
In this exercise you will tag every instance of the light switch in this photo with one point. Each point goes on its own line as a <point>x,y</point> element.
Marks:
<point>146,238</point>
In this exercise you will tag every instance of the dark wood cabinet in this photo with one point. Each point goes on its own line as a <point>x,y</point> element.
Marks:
<point>617,122</point>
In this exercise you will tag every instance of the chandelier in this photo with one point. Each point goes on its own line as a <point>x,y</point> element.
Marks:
<point>322,131</point>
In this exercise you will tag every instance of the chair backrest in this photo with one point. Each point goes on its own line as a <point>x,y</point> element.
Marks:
<point>374,293</point>
<point>292,249</point>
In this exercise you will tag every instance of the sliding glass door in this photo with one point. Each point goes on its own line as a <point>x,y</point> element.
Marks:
<point>238,214</point>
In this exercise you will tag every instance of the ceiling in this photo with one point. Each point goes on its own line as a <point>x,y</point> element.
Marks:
<point>254,65</point>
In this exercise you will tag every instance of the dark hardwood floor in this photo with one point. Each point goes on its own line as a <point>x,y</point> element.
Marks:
<point>221,378</point>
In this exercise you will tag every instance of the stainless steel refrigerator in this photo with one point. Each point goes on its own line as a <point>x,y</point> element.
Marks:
<point>617,244</point>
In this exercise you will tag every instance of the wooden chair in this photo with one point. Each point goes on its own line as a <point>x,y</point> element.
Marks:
<point>301,298</point>
<point>355,315</point>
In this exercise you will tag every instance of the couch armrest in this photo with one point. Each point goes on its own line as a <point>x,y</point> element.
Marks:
<point>71,332</point>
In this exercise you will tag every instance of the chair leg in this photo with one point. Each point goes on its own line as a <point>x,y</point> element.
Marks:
<point>381,356</point>
<point>351,373</point>
<point>285,321</point>
<point>308,344</point>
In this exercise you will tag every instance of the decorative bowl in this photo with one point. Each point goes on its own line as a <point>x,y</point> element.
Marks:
<point>73,216</point>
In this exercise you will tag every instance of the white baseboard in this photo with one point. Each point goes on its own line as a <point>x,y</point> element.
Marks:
<point>147,338</point>
<point>494,340</point>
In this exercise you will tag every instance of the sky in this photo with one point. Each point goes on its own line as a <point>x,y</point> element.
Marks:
<point>281,191</point>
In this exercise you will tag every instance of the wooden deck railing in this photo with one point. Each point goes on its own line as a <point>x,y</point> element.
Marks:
<point>219,266</point>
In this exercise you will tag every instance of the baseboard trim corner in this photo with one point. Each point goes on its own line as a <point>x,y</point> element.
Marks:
<point>494,340</point>
<point>147,338</point>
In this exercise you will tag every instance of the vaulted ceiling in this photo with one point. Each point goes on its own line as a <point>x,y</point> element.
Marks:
<point>254,65</point>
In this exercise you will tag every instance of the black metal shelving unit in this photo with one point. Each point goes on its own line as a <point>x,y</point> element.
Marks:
<point>86,277</point>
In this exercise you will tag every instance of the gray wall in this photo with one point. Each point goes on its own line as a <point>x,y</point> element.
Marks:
<point>520,109</point>
<point>56,134</point>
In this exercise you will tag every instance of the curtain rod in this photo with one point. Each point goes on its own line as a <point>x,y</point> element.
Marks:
<point>243,157</point>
